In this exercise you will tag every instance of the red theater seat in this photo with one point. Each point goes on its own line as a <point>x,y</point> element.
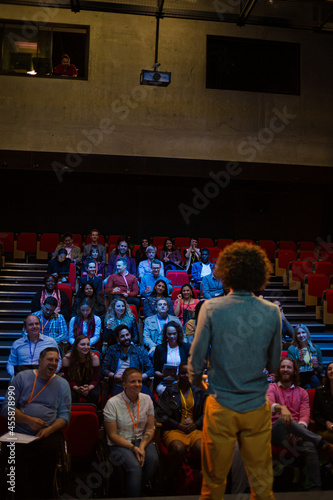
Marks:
<point>315,284</point>
<point>323,268</point>
<point>205,242</point>
<point>182,242</point>
<point>328,307</point>
<point>222,243</point>
<point>282,260</point>
<point>270,248</point>
<point>306,245</point>
<point>178,278</point>
<point>287,245</point>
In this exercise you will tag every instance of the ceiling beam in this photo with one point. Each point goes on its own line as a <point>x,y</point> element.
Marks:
<point>246,11</point>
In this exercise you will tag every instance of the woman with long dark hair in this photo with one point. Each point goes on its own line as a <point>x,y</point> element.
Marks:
<point>88,290</point>
<point>160,290</point>
<point>170,256</point>
<point>169,355</point>
<point>85,323</point>
<point>184,306</point>
<point>81,370</point>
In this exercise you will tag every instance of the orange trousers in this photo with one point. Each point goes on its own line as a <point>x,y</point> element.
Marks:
<point>221,428</point>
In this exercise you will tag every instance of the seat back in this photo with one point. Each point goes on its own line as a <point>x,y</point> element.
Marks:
<point>82,433</point>
<point>306,245</point>
<point>8,242</point>
<point>224,242</point>
<point>27,242</point>
<point>308,255</point>
<point>214,252</point>
<point>182,242</point>
<point>178,278</point>
<point>269,246</point>
<point>77,240</point>
<point>284,257</point>
<point>287,245</point>
<point>65,287</point>
<point>329,300</point>
<point>299,269</point>
<point>326,256</point>
<point>159,240</point>
<point>323,268</point>
<point>49,242</point>
<point>134,311</point>
<point>205,242</point>
<point>317,284</point>
<point>113,238</point>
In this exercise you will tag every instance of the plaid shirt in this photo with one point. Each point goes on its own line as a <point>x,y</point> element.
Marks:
<point>138,357</point>
<point>58,327</point>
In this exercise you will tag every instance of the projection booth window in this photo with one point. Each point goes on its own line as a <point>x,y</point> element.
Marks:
<point>35,50</point>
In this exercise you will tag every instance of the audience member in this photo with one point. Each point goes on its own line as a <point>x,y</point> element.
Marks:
<point>145,266</point>
<point>88,290</point>
<point>308,357</point>
<point>52,324</point>
<point>132,448</point>
<point>160,290</point>
<point>85,323</point>
<point>119,313</point>
<point>123,355</point>
<point>180,411</point>
<point>122,251</point>
<point>201,268</point>
<point>94,245</point>
<point>191,325</point>
<point>287,329</point>
<point>95,257</point>
<point>50,289</point>
<point>141,252</point>
<point>65,68</point>
<point>192,254</point>
<point>59,267</point>
<point>171,257</point>
<point>171,352</point>
<point>291,416</point>
<point>42,409</point>
<point>211,287</point>
<point>152,333</point>
<point>323,406</point>
<point>148,281</point>
<point>184,306</point>
<point>26,350</point>
<point>81,370</point>
<point>123,284</point>
<point>73,251</point>
<point>91,277</point>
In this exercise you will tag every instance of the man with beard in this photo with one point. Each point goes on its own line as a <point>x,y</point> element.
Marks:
<point>291,416</point>
<point>123,284</point>
<point>124,355</point>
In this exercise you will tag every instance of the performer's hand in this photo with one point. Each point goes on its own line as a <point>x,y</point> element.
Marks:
<point>204,384</point>
<point>329,426</point>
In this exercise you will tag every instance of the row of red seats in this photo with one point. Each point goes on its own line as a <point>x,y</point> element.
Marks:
<point>48,241</point>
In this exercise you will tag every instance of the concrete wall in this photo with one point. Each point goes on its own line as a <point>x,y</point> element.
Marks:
<point>183,120</point>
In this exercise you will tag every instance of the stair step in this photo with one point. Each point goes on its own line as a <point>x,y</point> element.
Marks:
<point>24,265</point>
<point>6,278</point>
<point>15,287</point>
<point>16,295</point>
<point>22,272</point>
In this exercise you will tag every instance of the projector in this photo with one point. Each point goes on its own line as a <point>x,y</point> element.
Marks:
<point>156,78</point>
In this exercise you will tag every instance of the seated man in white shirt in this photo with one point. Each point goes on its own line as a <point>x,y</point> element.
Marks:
<point>201,268</point>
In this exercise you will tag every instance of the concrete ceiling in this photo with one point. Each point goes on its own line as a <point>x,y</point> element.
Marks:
<point>295,14</point>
